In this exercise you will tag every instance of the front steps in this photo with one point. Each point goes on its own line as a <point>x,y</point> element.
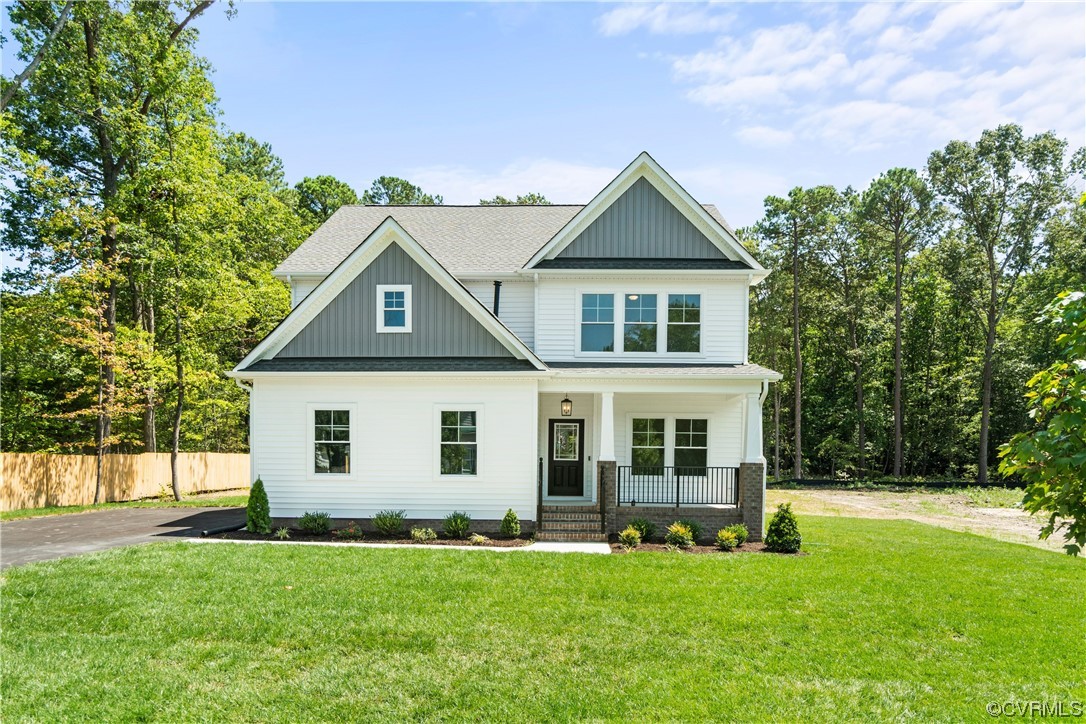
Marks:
<point>571,523</point>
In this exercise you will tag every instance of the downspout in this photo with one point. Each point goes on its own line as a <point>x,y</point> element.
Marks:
<point>497,295</point>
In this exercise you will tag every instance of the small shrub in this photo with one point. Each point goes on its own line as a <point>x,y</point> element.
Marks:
<point>478,539</point>
<point>282,533</point>
<point>679,535</point>
<point>257,516</point>
<point>630,537</point>
<point>726,540</point>
<point>389,522</point>
<point>782,534</point>
<point>423,534</point>
<point>510,524</point>
<point>672,548</point>
<point>645,527</point>
<point>740,531</point>
<point>352,532</point>
<point>695,528</point>
<point>457,524</point>
<point>315,523</point>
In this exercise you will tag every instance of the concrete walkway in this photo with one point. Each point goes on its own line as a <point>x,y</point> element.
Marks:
<point>59,536</point>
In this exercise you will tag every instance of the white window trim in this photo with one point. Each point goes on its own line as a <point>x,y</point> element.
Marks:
<point>669,434</point>
<point>620,323</point>
<point>478,409</point>
<point>406,289</point>
<point>310,420</point>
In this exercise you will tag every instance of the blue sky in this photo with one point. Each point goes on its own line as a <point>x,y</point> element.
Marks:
<point>737,101</point>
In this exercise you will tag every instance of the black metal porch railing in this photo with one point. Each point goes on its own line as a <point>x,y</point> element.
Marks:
<point>677,486</point>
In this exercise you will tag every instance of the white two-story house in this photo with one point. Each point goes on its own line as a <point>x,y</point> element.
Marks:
<point>582,365</point>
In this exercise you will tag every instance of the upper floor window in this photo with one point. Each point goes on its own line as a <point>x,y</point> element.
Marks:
<point>683,322</point>
<point>393,307</point>
<point>598,323</point>
<point>639,333</point>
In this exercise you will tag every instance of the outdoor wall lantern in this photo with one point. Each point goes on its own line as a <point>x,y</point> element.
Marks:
<point>567,407</point>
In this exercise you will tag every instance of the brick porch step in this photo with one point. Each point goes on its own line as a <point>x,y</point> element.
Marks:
<point>571,509</point>
<point>571,517</point>
<point>574,526</point>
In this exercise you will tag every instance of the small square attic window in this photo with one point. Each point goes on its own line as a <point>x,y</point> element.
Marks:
<point>394,308</point>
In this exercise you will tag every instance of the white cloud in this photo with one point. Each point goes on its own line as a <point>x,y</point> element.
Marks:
<point>881,74</point>
<point>562,182</point>
<point>663,19</point>
<point>764,136</point>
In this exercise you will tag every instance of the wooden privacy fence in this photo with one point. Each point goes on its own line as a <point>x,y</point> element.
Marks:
<point>32,480</point>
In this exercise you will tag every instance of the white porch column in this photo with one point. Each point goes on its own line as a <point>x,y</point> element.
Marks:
<point>607,426</point>
<point>753,450</point>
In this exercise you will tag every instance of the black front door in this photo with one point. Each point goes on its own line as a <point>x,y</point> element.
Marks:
<point>566,468</point>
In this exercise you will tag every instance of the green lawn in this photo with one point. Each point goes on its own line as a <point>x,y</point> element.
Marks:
<point>204,502</point>
<point>883,619</point>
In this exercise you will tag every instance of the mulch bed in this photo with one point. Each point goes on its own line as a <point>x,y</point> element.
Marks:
<point>661,548</point>
<point>301,536</point>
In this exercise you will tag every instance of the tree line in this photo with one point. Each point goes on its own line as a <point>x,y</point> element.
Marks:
<point>144,233</point>
<point>904,317</point>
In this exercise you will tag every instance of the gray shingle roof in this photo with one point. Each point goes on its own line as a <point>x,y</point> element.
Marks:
<point>633,264</point>
<point>664,368</point>
<point>464,239</point>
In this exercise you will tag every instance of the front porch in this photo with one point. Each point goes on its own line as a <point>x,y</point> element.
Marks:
<point>660,450</point>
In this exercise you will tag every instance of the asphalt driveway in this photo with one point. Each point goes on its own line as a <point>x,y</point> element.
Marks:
<point>59,536</point>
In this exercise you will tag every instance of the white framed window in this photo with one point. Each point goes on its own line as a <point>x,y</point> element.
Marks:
<point>394,308</point>
<point>639,331</point>
<point>657,441</point>
<point>597,322</point>
<point>458,441</point>
<point>332,440</point>
<point>684,323</point>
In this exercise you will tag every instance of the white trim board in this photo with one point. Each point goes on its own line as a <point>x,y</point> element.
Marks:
<point>387,233</point>
<point>645,166</point>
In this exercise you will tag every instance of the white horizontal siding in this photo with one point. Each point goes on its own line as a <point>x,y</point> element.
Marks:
<point>300,289</point>
<point>516,307</point>
<point>723,325</point>
<point>394,458</point>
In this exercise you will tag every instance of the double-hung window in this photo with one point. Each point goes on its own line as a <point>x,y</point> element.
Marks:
<point>639,332</point>
<point>394,308</point>
<point>691,446</point>
<point>459,442</point>
<point>647,446</point>
<point>598,323</point>
<point>683,322</point>
<point>332,442</point>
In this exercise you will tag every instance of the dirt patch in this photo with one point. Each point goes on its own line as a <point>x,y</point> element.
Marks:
<point>299,536</point>
<point>954,511</point>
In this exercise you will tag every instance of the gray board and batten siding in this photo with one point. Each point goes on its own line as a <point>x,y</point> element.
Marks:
<point>441,326</point>
<point>641,224</point>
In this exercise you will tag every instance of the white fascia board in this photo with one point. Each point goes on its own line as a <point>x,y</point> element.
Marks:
<point>386,234</point>
<point>644,166</point>
<point>300,276</point>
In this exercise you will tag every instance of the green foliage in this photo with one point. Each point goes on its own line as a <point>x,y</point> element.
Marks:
<point>510,525</point>
<point>478,539</point>
<point>529,199</point>
<point>645,527</point>
<point>1051,458</point>
<point>392,191</point>
<point>695,528</point>
<point>457,524</point>
<point>282,533</point>
<point>257,512</point>
<point>319,197</point>
<point>782,533</point>
<point>389,522</point>
<point>422,535</point>
<point>630,537</point>
<point>679,535</point>
<point>352,531</point>
<point>739,530</point>
<point>316,523</point>
<point>726,539</point>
